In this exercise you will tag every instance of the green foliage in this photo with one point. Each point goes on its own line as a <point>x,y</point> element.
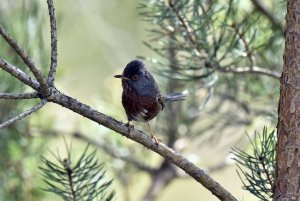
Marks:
<point>258,167</point>
<point>76,180</point>
<point>217,44</point>
<point>212,37</point>
<point>24,20</point>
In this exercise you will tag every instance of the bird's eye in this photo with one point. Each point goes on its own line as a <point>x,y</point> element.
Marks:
<point>135,77</point>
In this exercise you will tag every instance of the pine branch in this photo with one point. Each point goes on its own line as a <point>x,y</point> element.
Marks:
<point>69,171</point>
<point>259,4</point>
<point>140,137</point>
<point>247,70</point>
<point>20,75</point>
<point>246,45</point>
<point>202,40</point>
<point>26,59</point>
<point>259,165</point>
<point>192,37</point>
<point>23,115</point>
<point>51,94</point>
<point>53,65</point>
<point>19,95</point>
<point>114,152</point>
<point>104,146</point>
<point>76,180</point>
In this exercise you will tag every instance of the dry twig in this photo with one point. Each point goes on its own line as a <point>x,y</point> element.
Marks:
<point>55,96</point>
<point>19,95</point>
<point>27,60</point>
<point>53,65</point>
<point>23,115</point>
<point>20,75</point>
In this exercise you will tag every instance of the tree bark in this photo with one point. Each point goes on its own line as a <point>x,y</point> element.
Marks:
<point>287,182</point>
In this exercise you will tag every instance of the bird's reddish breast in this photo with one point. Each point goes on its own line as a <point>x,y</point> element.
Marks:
<point>140,108</point>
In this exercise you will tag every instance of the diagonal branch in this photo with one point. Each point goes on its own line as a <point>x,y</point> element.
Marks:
<point>53,28</point>
<point>23,115</point>
<point>138,136</point>
<point>20,75</point>
<point>192,37</point>
<point>26,59</point>
<point>55,96</point>
<point>19,95</point>
<point>111,123</point>
<point>246,45</point>
<point>259,5</point>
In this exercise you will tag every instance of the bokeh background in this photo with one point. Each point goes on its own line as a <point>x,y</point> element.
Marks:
<point>96,39</point>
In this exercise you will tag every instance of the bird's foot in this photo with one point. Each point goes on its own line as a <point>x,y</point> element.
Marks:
<point>156,140</point>
<point>130,127</point>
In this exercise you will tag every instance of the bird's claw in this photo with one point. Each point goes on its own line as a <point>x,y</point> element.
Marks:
<point>130,127</point>
<point>156,140</point>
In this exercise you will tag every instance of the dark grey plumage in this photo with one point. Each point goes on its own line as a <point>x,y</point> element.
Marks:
<point>141,98</point>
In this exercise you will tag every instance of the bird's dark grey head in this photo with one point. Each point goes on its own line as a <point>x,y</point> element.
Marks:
<point>137,77</point>
<point>133,68</point>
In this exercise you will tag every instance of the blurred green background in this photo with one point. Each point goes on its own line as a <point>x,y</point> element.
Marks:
<point>96,39</point>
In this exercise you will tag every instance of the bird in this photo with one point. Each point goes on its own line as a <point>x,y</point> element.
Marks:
<point>142,99</point>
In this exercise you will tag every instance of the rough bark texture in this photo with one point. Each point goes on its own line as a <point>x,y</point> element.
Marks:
<point>287,184</point>
<point>138,136</point>
<point>47,92</point>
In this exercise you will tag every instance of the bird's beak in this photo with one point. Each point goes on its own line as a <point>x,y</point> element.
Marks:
<point>121,77</point>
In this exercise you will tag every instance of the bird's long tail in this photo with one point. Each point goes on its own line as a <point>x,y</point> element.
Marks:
<point>175,97</point>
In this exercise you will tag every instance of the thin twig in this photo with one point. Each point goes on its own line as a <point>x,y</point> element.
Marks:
<point>69,171</point>
<point>53,28</point>
<point>109,149</point>
<point>192,37</point>
<point>248,70</point>
<point>19,95</point>
<point>23,115</point>
<point>244,70</point>
<point>140,137</point>
<point>104,146</point>
<point>24,56</point>
<point>58,97</point>
<point>20,75</point>
<point>246,45</point>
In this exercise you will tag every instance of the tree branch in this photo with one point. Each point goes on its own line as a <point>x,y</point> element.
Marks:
<point>115,153</point>
<point>20,75</point>
<point>23,115</point>
<point>56,96</point>
<point>53,65</point>
<point>246,70</point>
<point>259,5</point>
<point>19,95</point>
<point>138,136</point>
<point>254,70</point>
<point>51,94</point>
<point>246,45</point>
<point>192,37</point>
<point>26,59</point>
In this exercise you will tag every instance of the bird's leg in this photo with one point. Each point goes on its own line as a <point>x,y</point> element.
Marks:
<point>156,140</point>
<point>130,126</point>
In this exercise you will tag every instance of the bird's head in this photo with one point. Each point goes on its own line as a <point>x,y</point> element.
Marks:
<point>135,75</point>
